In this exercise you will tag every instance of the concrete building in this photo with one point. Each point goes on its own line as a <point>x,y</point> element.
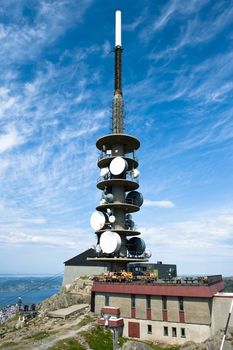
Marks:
<point>80,266</point>
<point>168,312</point>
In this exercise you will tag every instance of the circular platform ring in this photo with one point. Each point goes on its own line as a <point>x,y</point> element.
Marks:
<point>129,142</point>
<point>110,242</point>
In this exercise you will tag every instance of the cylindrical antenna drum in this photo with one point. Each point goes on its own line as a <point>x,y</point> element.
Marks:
<point>118,29</point>
<point>134,197</point>
<point>136,246</point>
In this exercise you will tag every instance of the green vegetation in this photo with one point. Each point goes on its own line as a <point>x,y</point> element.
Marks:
<point>67,344</point>
<point>7,345</point>
<point>158,347</point>
<point>86,320</point>
<point>99,339</point>
<point>228,281</point>
<point>85,277</point>
<point>40,335</point>
<point>10,322</point>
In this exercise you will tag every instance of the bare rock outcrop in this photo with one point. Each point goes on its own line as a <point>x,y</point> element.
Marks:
<point>134,345</point>
<point>78,292</point>
<point>212,343</point>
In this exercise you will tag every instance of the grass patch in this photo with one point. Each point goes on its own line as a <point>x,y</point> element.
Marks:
<point>40,335</point>
<point>8,322</point>
<point>67,344</point>
<point>165,347</point>
<point>99,339</point>
<point>7,345</point>
<point>86,320</point>
<point>85,277</point>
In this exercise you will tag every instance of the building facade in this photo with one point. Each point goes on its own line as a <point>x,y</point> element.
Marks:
<point>167,312</point>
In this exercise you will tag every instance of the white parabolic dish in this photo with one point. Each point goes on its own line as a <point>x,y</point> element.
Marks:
<point>104,171</point>
<point>118,165</point>
<point>110,242</point>
<point>97,220</point>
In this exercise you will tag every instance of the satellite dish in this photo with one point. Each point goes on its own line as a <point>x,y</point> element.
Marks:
<point>147,254</point>
<point>98,220</point>
<point>118,165</point>
<point>103,201</point>
<point>134,197</point>
<point>110,242</point>
<point>112,219</point>
<point>135,173</point>
<point>104,172</point>
<point>136,246</point>
<point>128,216</point>
<point>109,211</point>
<point>109,198</point>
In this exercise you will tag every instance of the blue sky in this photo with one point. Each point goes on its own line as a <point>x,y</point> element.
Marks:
<point>56,89</point>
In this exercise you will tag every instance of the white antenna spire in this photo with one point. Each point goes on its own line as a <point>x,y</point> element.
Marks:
<point>118,29</point>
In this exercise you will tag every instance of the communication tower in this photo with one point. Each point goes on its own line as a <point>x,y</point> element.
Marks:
<point>117,237</point>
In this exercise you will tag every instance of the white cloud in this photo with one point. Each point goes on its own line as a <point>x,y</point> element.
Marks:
<point>207,234</point>
<point>158,204</point>
<point>9,140</point>
<point>107,48</point>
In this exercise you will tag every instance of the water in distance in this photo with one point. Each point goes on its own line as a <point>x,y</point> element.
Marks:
<point>32,289</point>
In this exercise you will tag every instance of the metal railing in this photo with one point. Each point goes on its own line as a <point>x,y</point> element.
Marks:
<point>103,155</point>
<point>127,176</point>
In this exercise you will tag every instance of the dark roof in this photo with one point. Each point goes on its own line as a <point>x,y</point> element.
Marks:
<point>81,259</point>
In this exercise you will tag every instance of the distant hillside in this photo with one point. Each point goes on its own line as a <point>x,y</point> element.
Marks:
<point>228,281</point>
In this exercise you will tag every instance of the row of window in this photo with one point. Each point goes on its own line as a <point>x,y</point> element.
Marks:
<point>164,302</point>
<point>166,331</point>
<point>148,302</point>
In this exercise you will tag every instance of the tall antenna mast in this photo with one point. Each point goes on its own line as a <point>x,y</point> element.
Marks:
<point>117,112</point>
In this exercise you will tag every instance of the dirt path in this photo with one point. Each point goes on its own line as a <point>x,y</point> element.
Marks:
<point>58,329</point>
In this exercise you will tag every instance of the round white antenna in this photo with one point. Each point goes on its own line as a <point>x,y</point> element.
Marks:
<point>104,172</point>
<point>110,242</point>
<point>147,254</point>
<point>118,165</point>
<point>135,173</point>
<point>109,198</point>
<point>98,220</point>
<point>112,219</point>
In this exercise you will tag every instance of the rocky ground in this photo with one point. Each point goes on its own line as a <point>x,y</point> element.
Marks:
<point>44,332</point>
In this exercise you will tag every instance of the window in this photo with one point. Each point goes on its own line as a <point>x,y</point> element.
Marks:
<point>148,302</point>
<point>174,332</point>
<point>181,303</point>
<point>106,300</point>
<point>149,329</point>
<point>164,302</point>
<point>182,331</point>
<point>133,301</point>
<point>165,331</point>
